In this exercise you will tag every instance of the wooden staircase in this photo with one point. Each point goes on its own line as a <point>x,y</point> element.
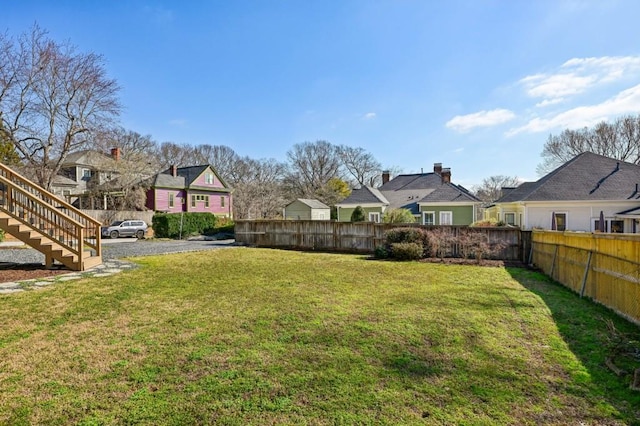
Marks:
<point>47,223</point>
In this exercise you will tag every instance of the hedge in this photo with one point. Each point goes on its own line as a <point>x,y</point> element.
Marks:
<point>181,225</point>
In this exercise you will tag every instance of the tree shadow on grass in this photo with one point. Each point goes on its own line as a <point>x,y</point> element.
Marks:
<point>582,326</point>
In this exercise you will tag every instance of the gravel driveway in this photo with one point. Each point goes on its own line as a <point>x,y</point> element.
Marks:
<point>117,249</point>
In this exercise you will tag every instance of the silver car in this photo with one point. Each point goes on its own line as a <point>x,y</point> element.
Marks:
<point>125,228</point>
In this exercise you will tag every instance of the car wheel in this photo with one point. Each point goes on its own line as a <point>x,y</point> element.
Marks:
<point>114,234</point>
<point>139,234</point>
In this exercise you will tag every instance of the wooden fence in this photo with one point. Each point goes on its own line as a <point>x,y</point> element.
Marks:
<point>361,237</point>
<point>604,267</point>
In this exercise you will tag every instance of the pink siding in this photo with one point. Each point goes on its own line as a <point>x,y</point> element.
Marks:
<point>162,200</point>
<point>215,203</point>
<point>201,181</point>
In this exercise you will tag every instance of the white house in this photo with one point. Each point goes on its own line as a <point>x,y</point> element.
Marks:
<point>574,197</point>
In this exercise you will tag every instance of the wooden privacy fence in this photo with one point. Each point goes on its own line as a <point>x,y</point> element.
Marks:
<point>604,267</point>
<point>355,237</point>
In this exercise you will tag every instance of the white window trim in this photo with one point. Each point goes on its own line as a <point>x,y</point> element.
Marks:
<point>444,213</point>
<point>424,217</point>
<point>374,217</point>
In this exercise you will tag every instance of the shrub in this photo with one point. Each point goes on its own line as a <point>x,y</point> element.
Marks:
<point>398,216</point>
<point>357,215</point>
<point>476,244</point>
<point>488,223</point>
<point>406,235</point>
<point>440,241</point>
<point>181,225</point>
<point>1,235</point>
<point>381,252</point>
<point>406,251</point>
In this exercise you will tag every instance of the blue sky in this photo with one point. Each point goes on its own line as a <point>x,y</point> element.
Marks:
<point>477,85</point>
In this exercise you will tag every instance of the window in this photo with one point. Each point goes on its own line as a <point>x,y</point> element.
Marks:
<point>208,178</point>
<point>510,218</point>
<point>560,220</point>
<point>198,199</point>
<point>374,217</point>
<point>171,200</point>
<point>617,226</point>
<point>86,173</point>
<point>446,218</point>
<point>428,218</point>
<point>596,225</point>
<point>222,201</point>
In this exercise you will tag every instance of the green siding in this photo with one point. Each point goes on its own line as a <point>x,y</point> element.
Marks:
<point>462,215</point>
<point>298,210</point>
<point>344,213</point>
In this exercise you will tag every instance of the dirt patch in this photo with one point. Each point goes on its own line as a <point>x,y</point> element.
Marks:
<point>12,272</point>
<point>483,262</point>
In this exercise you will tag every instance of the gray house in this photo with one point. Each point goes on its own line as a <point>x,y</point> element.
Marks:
<point>307,209</point>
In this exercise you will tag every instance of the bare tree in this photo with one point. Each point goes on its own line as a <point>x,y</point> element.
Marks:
<point>221,157</point>
<point>491,188</point>
<point>360,165</point>
<point>311,167</point>
<point>173,154</point>
<point>258,190</point>
<point>52,99</point>
<point>619,140</point>
<point>129,162</point>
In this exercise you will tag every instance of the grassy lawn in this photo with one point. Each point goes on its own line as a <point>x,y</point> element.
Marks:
<point>250,336</point>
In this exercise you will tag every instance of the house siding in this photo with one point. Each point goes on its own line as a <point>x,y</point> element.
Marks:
<point>201,180</point>
<point>344,213</point>
<point>462,215</point>
<point>161,200</point>
<point>297,211</point>
<point>215,203</point>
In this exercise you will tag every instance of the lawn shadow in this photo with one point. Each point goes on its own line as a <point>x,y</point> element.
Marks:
<point>582,326</point>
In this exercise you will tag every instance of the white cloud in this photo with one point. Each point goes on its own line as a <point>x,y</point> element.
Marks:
<point>464,123</point>
<point>548,102</point>
<point>625,102</point>
<point>369,116</point>
<point>554,86</point>
<point>578,75</point>
<point>458,150</point>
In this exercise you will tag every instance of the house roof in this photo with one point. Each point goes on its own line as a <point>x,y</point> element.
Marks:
<point>314,204</point>
<point>586,177</point>
<point>185,177</point>
<point>407,191</point>
<point>89,157</point>
<point>365,195</point>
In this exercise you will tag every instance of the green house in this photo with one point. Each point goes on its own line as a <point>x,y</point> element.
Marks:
<point>431,197</point>
<point>307,209</point>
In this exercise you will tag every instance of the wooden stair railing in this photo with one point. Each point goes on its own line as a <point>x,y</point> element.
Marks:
<point>48,223</point>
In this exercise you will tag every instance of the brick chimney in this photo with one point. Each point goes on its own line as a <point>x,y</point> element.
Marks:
<point>446,175</point>
<point>115,153</point>
<point>173,170</point>
<point>385,176</point>
<point>437,168</point>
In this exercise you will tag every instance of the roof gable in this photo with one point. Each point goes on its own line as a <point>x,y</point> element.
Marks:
<point>408,191</point>
<point>365,195</point>
<point>314,204</point>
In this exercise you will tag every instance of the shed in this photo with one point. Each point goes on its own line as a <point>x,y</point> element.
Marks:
<point>307,209</point>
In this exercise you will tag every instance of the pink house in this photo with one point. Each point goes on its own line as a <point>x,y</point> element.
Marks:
<point>190,189</point>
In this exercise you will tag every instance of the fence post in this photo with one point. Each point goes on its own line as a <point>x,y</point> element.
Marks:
<point>586,273</point>
<point>553,263</point>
